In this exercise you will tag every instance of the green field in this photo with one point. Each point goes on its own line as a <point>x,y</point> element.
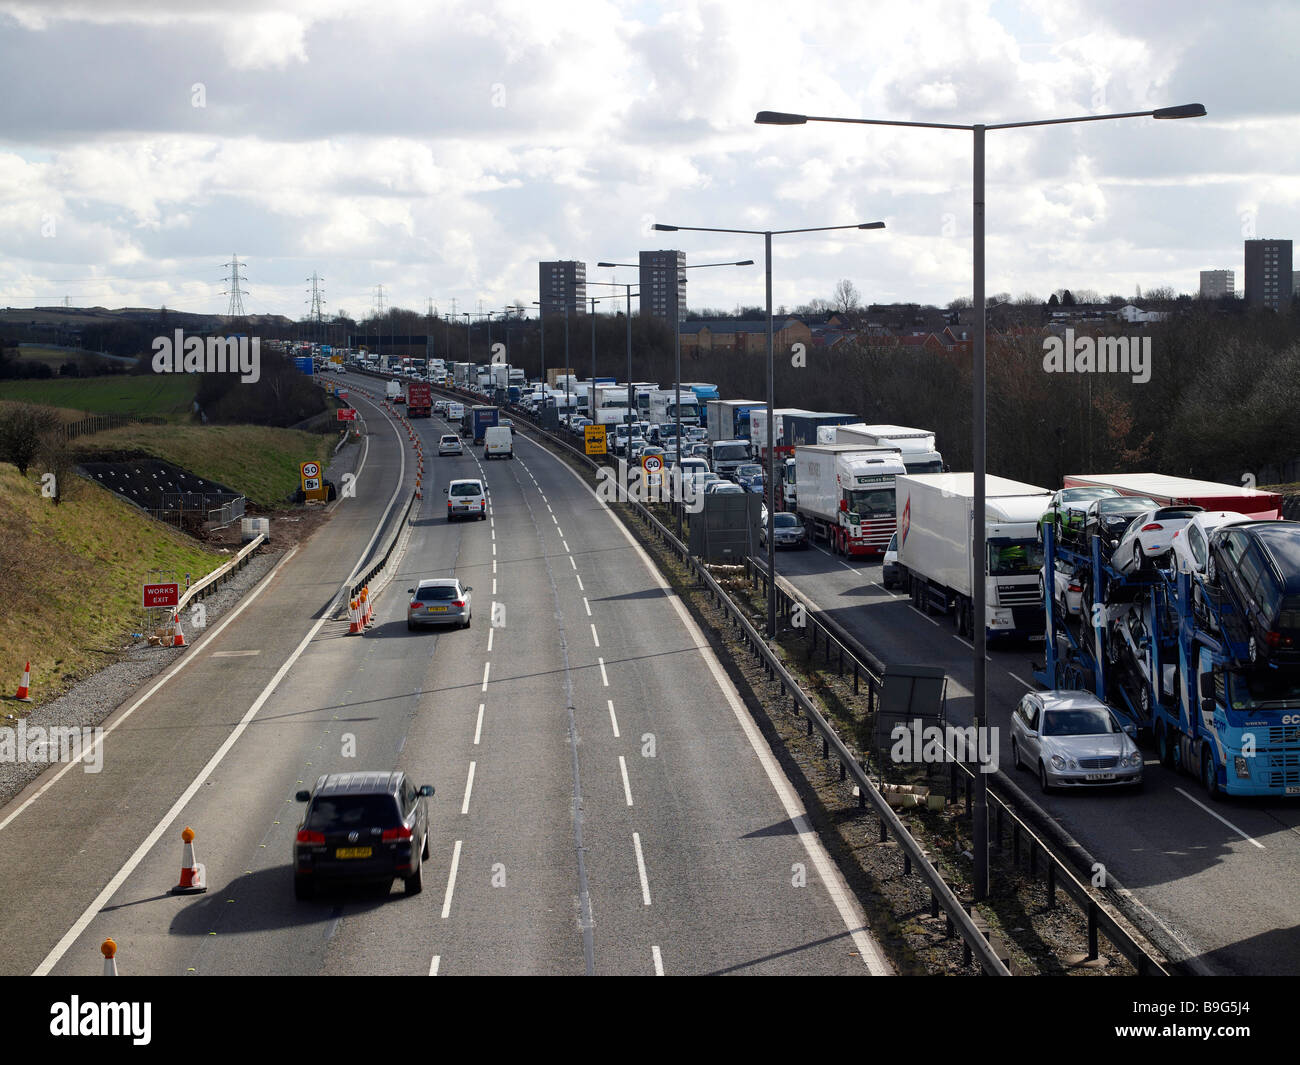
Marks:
<point>260,462</point>
<point>70,579</point>
<point>145,395</point>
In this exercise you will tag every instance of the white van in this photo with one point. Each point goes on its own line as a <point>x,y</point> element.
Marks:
<point>498,443</point>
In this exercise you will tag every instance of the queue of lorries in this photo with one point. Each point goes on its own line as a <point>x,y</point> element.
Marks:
<point>1175,603</point>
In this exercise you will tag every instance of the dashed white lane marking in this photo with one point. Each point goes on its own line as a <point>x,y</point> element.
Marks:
<point>494,551</point>
<point>490,634</point>
<point>554,518</point>
<point>437,960</point>
<point>478,727</point>
<point>593,634</point>
<point>1222,820</point>
<point>640,868</point>
<point>494,534</point>
<point>1022,681</point>
<point>469,786</point>
<point>234,654</point>
<point>573,563</point>
<point>451,880</point>
<point>565,543</point>
<point>494,586</point>
<point>587,605</point>
<point>658,960</point>
<point>627,787</point>
<point>926,616</point>
<point>604,677</point>
<point>962,639</point>
<point>612,719</point>
<point>494,565</point>
<point>487,668</point>
<point>561,532</point>
<point>578,577</point>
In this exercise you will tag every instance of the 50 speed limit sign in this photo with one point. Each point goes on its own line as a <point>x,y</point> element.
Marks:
<point>652,463</point>
<point>310,476</point>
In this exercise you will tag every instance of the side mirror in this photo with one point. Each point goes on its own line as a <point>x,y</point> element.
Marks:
<point>444,491</point>
<point>1207,686</point>
<point>1207,706</point>
<point>469,587</point>
<point>426,790</point>
<point>302,796</point>
<point>844,504</point>
<point>410,591</point>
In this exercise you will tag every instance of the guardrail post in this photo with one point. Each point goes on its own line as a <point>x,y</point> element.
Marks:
<point>934,905</point>
<point>855,676</point>
<point>907,864</point>
<point>1033,861</point>
<point>1092,931</point>
<point>1051,885</point>
<point>884,838</point>
<point>1015,843</point>
<point>997,823</point>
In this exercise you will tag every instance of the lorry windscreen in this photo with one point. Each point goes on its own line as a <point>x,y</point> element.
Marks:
<point>867,505</point>
<point>730,453</point>
<point>1011,558</point>
<point>924,466</point>
<point>1260,688</point>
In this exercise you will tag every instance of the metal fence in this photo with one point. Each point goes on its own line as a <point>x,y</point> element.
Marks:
<point>96,423</point>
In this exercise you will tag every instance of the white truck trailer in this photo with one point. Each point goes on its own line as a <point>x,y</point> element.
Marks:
<point>846,495</point>
<point>917,445</point>
<point>935,532</point>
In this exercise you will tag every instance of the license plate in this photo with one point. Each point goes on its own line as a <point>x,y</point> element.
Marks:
<point>1035,639</point>
<point>352,852</point>
<point>436,609</point>
<point>1292,789</point>
<point>1100,776</point>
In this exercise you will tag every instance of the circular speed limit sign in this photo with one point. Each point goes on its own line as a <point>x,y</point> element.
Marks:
<point>310,469</point>
<point>652,463</point>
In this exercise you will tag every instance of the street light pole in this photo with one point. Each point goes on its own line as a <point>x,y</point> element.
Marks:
<point>770,476</point>
<point>979,545</point>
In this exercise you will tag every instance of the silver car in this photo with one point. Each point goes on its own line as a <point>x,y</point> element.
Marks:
<point>1073,739</point>
<point>440,601</point>
<point>449,444</point>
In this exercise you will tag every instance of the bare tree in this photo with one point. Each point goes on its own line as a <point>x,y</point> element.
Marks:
<point>23,429</point>
<point>846,297</point>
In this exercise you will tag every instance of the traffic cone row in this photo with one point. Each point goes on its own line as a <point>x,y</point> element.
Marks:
<point>194,877</point>
<point>367,610</point>
<point>354,617</point>
<point>24,689</point>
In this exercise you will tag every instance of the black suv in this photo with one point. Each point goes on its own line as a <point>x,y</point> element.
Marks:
<point>1259,563</point>
<point>362,826</point>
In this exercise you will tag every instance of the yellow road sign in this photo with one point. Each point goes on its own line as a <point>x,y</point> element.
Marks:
<point>595,439</point>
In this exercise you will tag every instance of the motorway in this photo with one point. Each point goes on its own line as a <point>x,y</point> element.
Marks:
<point>1219,879</point>
<point>604,805</point>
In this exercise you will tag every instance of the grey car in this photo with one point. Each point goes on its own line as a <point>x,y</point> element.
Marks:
<point>788,532</point>
<point>1073,739</point>
<point>439,601</point>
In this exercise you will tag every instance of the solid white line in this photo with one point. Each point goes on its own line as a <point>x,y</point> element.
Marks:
<point>1223,820</point>
<point>1026,683</point>
<point>451,880</point>
<point>487,666</point>
<point>261,586</point>
<point>593,634</point>
<point>604,677</point>
<point>658,960</point>
<point>433,965</point>
<point>640,868</point>
<point>926,616</point>
<point>587,605</point>
<point>469,786</point>
<point>627,788</point>
<point>578,577</point>
<point>478,727</point>
<point>612,719</point>
<point>490,634</point>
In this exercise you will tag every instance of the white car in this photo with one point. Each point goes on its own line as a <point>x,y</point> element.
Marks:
<point>449,444</point>
<point>1191,543</point>
<point>1067,588</point>
<point>466,499</point>
<point>1150,536</point>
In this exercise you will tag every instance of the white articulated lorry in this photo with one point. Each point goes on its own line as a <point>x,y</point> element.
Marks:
<point>935,532</point>
<point>917,445</point>
<point>846,495</point>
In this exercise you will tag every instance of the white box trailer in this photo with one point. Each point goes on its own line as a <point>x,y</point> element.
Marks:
<point>935,533</point>
<point>917,445</point>
<point>663,407</point>
<point>845,495</point>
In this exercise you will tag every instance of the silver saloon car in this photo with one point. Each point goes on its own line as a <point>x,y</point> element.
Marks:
<point>440,601</point>
<point>1073,739</point>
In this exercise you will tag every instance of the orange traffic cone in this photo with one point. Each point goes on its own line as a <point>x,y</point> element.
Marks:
<point>365,605</point>
<point>109,949</point>
<point>24,689</point>
<point>178,637</point>
<point>354,617</point>
<point>194,878</point>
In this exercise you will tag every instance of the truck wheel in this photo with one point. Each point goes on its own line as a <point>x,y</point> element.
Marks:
<point>1164,746</point>
<point>1209,774</point>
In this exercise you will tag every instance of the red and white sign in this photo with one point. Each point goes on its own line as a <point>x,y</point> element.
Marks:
<point>347,414</point>
<point>162,595</point>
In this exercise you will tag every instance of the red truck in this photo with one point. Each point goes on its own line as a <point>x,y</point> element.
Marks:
<point>419,399</point>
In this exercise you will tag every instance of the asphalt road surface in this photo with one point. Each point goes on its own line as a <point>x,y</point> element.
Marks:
<point>604,803</point>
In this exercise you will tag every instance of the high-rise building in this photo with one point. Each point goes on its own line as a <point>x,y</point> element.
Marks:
<point>562,284</point>
<point>1268,274</point>
<point>663,284</point>
<point>1216,283</point>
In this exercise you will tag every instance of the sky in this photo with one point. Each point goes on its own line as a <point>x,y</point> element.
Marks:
<point>441,149</point>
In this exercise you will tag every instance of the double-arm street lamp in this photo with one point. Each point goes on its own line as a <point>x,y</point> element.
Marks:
<point>631,394</point>
<point>978,544</point>
<point>677,371</point>
<point>769,476</point>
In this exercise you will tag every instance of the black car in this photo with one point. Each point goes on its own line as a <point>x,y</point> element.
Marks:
<point>1259,563</point>
<point>1108,516</point>
<point>362,827</point>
